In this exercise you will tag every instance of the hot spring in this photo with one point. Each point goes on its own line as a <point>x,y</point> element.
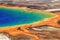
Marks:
<point>12,17</point>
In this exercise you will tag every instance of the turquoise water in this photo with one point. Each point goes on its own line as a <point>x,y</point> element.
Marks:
<point>11,17</point>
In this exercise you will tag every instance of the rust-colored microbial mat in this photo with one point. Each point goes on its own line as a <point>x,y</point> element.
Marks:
<point>17,23</point>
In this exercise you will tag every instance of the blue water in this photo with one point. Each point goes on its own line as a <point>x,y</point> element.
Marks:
<point>11,17</point>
